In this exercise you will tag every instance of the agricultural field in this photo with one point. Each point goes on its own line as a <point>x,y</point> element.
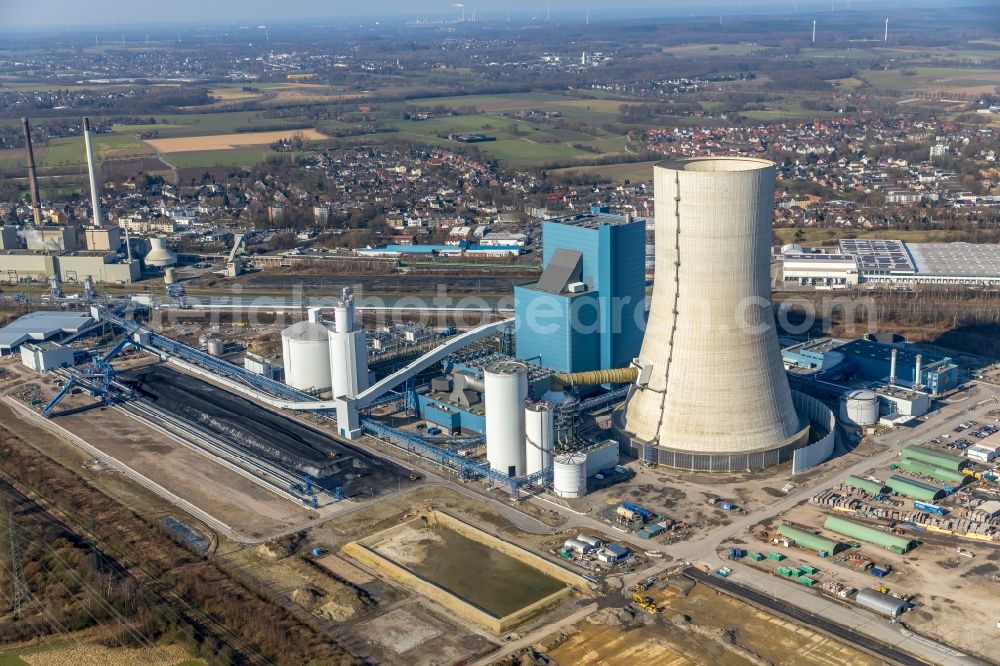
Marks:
<point>702,50</point>
<point>635,172</point>
<point>518,143</point>
<point>948,80</point>
<point>603,110</point>
<point>221,142</point>
<point>65,151</point>
<point>238,157</point>
<point>276,93</point>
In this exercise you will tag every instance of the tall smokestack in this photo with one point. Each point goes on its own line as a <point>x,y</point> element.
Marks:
<point>892,366</point>
<point>36,205</point>
<point>916,372</point>
<point>95,201</point>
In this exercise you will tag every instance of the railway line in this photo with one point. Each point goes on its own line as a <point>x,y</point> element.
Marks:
<point>274,477</point>
<point>232,455</point>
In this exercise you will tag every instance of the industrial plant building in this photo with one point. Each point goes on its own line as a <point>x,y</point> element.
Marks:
<point>42,326</point>
<point>870,359</point>
<point>892,262</point>
<point>586,311</point>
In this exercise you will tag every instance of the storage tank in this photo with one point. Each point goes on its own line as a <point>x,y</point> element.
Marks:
<point>169,275</point>
<point>717,398</point>
<point>215,347</point>
<point>569,475</point>
<point>539,441</point>
<point>305,352</point>
<point>506,389</point>
<point>860,408</point>
<point>159,255</point>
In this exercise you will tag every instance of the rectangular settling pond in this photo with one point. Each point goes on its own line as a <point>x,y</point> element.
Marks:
<point>482,577</point>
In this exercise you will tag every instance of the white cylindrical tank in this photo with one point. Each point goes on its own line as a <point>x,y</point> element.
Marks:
<point>506,384</point>
<point>348,350</point>
<point>539,441</point>
<point>860,408</point>
<point>169,275</point>
<point>718,389</point>
<point>569,475</point>
<point>305,351</point>
<point>159,255</point>
<point>215,346</point>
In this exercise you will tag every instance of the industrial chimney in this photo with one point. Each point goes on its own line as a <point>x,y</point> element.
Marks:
<point>36,204</point>
<point>717,398</point>
<point>95,200</point>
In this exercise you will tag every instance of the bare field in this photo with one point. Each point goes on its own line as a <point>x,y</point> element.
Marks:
<point>92,652</point>
<point>229,141</point>
<point>705,627</point>
<point>227,496</point>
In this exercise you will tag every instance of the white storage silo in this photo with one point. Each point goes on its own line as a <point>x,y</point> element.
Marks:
<point>569,475</point>
<point>348,350</point>
<point>717,397</point>
<point>860,408</point>
<point>539,441</point>
<point>506,384</point>
<point>305,352</point>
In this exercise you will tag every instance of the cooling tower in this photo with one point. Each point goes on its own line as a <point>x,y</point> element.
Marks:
<point>717,398</point>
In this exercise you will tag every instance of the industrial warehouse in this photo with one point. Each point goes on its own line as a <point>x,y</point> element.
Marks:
<point>583,446</point>
<point>891,262</point>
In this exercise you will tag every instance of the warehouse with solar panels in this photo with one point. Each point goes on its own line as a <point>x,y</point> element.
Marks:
<point>893,262</point>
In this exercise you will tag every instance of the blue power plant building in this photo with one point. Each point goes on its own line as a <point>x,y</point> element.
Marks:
<point>587,311</point>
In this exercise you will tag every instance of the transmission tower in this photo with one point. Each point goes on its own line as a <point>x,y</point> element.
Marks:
<point>22,598</point>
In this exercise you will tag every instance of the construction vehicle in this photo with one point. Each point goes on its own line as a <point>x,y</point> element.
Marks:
<point>645,603</point>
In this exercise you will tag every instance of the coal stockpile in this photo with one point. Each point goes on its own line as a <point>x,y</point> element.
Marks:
<point>265,433</point>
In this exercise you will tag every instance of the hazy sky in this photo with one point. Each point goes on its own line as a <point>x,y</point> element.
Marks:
<point>60,13</point>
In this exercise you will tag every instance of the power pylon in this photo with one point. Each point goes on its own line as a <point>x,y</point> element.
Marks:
<point>22,597</point>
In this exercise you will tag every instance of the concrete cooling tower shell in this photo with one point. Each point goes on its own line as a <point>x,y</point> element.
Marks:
<point>717,398</point>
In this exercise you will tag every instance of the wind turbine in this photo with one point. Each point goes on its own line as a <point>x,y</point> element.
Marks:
<point>886,37</point>
<point>459,5</point>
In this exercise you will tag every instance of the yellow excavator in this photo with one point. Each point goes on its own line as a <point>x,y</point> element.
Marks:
<point>645,603</point>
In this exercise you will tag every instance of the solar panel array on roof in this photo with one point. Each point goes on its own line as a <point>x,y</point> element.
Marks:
<point>879,255</point>
<point>819,257</point>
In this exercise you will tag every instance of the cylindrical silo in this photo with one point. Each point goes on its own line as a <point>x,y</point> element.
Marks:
<point>569,475</point>
<point>348,350</point>
<point>539,441</point>
<point>169,275</point>
<point>305,351</point>
<point>215,346</point>
<point>717,398</point>
<point>860,408</point>
<point>506,384</point>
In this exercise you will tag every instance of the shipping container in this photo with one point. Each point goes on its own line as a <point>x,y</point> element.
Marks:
<point>756,557</point>
<point>777,557</point>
